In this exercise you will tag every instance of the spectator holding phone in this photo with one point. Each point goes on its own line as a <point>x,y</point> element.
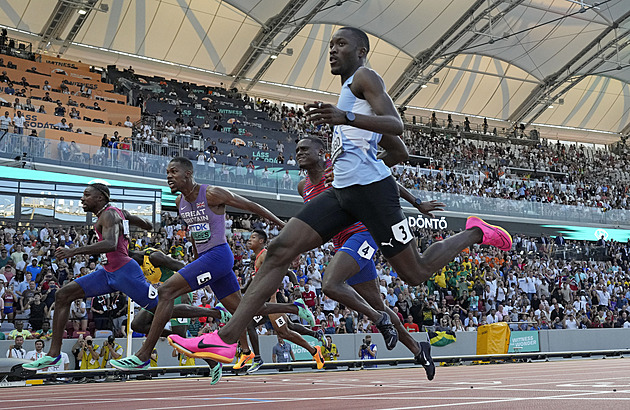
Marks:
<point>78,315</point>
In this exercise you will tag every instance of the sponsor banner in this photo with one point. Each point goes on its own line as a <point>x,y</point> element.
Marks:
<point>301,353</point>
<point>63,63</point>
<point>423,222</point>
<point>583,233</point>
<point>524,341</point>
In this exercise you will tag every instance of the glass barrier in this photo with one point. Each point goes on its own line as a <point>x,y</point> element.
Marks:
<point>32,150</point>
<point>526,209</point>
<point>273,179</point>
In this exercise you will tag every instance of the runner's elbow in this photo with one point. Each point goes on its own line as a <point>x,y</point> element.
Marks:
<point>397,156</point>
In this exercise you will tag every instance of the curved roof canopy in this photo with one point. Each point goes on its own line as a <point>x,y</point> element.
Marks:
<point>503,59</point>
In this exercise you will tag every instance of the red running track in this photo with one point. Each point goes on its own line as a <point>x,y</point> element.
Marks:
<point>567,384</point>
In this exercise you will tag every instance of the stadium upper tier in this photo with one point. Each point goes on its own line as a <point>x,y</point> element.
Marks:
<point>234,138</point>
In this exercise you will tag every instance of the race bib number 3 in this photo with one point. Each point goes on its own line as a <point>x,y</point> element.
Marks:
<point>401,231</point>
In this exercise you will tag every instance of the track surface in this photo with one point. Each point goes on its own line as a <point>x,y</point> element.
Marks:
<point>557,385</point>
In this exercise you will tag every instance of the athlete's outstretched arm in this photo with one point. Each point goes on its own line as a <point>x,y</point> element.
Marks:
<point>425,207</point>
<point>161,260</point>
<point>137,221</point>
<point>110,229</point>
<point>218,196</point>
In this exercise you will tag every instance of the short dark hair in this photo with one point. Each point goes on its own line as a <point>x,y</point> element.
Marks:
<point>184,163</point>
<point>359,35</point>
<point>316,140</point>
<point>102,188</point>
<point>262,234</point>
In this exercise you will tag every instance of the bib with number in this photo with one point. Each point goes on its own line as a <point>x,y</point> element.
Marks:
<point>200,232</point>
<point>336,147</point>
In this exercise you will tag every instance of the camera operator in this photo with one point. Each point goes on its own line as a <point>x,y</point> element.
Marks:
<point>367,351</point>
<point>86,352</point>
<point>110,350</point>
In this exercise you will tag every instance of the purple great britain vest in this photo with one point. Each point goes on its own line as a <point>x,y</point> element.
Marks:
<point>204,226</point>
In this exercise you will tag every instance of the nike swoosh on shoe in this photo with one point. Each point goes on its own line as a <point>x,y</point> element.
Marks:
<point>203,345</point>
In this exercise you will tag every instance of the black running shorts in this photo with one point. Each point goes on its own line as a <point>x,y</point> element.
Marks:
<point>377,205</point>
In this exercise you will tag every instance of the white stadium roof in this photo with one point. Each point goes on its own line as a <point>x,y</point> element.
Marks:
<point>507,60</point>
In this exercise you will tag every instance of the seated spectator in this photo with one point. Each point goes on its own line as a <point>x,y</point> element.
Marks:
<point>45,333</point>
<point>9,89</point>
<point>19,331</point>
<point>38,353</point>
<point>62,125</point>
<point>329,325</point>
<point>29,105</point>
<point>60,110</point>
<point>16,351</point>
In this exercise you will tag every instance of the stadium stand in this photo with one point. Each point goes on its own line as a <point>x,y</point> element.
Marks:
<point>237,140</point>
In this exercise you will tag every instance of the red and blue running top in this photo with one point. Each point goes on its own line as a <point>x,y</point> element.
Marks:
<point>310,191</point>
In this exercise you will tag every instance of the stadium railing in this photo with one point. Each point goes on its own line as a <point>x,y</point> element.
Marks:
<point>274,180</point>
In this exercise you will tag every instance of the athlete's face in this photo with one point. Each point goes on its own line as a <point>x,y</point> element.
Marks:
<point>254,241</point>
<point>91,199</point>
<point>177,177</point>
<point>307,154</point>
<point>345,53</point>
